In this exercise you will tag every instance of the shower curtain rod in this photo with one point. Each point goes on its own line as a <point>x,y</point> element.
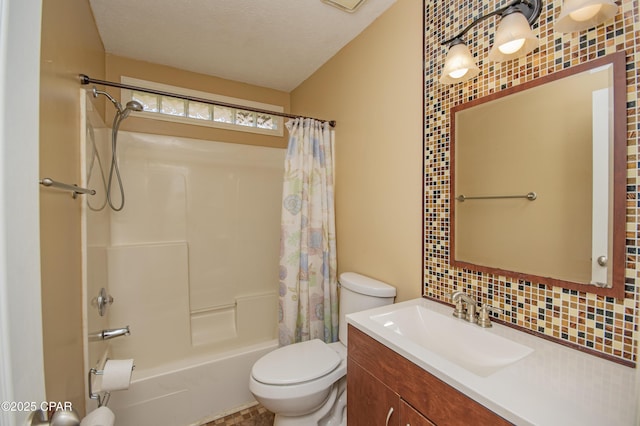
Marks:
<point>85,79</point>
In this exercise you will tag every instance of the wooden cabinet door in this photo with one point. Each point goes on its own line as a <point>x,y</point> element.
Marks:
<point>410,417</point>
<point>369,401</point>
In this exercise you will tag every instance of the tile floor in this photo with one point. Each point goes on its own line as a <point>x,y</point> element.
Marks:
<point>252,416</point>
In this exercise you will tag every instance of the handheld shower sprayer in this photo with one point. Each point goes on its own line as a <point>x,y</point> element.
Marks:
<point>131,106</point>
<point>120,115</point>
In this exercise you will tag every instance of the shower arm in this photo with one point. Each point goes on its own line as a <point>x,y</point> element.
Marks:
<point>97,92</point>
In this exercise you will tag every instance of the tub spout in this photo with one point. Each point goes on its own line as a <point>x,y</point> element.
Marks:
<point>109,334</point>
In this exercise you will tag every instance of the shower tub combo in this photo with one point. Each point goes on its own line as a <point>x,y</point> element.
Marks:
<point>191,262</point>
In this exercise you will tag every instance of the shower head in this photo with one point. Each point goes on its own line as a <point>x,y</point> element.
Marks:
<point>135,106</point>
<point>131,106</point>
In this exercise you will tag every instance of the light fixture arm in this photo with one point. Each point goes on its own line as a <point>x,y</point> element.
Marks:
<point>529,8</point>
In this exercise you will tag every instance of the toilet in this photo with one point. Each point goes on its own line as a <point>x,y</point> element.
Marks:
<point>304,384</point>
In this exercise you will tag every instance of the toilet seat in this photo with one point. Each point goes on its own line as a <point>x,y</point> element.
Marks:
<point>300,389</point>
<point>298,363</point>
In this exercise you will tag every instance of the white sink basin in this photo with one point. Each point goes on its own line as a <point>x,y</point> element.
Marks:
<point>467,345</point>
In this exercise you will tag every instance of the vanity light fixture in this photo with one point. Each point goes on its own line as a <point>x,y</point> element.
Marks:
<point>578,15</point>
<point>345,5</point>
<point>459,64</point>
<point>514,38</point>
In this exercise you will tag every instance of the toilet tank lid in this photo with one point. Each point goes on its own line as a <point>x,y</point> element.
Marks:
<point>365,285</point>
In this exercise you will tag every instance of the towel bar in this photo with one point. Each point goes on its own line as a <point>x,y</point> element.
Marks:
<point>66,187</point>
<point>529,196</point>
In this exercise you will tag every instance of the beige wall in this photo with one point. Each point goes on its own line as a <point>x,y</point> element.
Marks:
<point>117,66</point>
<point>70,45</point>
<point>373,89</point>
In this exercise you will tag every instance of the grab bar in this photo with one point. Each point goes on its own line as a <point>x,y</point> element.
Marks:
<point>529,196</point>
<point>66,187</point>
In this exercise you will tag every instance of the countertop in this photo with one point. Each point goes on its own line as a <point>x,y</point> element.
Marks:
<point>555,385</point>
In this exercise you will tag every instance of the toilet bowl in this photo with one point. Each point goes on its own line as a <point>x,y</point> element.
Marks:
<point>300,390</point>
<point>304,384</point>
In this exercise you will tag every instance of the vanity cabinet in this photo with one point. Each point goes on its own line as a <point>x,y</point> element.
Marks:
<point>373,403</point>
<point>383,386</point>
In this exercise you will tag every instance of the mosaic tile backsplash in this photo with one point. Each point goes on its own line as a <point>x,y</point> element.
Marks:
<point>600,324</point>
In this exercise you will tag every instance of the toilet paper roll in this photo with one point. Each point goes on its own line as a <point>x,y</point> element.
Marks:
<point>116,375</point>
<point>101,416</point>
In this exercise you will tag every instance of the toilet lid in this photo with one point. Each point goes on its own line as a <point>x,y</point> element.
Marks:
<point>296,363</point>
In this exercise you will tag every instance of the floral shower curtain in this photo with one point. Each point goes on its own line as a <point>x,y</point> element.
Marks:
<point>308,304</point>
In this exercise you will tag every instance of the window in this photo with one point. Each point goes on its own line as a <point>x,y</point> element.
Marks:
<point>168,108</point>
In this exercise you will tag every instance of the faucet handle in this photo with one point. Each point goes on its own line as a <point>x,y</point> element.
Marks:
<point>459,309</point>
<point>484,320</point>
<point>454,295</point>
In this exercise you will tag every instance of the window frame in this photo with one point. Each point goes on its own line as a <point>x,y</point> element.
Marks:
<point>126,95</point>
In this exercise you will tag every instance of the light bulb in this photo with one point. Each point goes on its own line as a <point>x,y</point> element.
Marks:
<point>458,73</point>
<point>511,46</point>
<point>585,13</point>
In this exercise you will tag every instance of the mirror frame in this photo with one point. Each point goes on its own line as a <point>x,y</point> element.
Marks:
<point>619,175</point>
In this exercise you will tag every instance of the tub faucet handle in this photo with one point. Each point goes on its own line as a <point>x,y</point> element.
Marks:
<point>102,301</point>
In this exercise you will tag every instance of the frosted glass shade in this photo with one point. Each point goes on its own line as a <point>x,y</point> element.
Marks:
<point>578,15</point>
<point>459,65</point>
<point>513,39</point>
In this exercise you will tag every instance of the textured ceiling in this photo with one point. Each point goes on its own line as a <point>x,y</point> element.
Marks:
<point>269,43</point>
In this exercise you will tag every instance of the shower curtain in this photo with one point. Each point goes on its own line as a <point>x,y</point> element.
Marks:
<point>308,304</point>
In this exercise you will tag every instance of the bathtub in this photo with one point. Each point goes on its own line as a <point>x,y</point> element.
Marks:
<point>189,392</point>
<point>175,262</point>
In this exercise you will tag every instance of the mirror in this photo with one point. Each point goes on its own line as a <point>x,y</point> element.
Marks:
<point>538,180</point>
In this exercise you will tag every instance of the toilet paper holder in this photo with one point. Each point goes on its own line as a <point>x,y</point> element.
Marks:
<point>103,400</point>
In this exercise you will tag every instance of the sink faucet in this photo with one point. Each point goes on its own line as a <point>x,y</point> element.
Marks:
<point>471,306</point>
<point>455,298</point>
<point>466,307</point>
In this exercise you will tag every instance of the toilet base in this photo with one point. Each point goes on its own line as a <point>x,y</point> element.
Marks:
<point>332,413</point>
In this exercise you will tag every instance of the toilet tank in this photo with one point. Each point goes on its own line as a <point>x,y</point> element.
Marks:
<point>358,293</point>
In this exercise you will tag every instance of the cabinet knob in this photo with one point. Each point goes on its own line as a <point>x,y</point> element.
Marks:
<point>386,423</point>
